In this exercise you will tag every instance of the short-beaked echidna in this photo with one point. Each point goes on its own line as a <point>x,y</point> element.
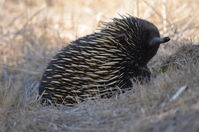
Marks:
<point>98,63</point>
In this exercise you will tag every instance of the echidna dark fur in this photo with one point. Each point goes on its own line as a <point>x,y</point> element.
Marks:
<point>101,62</point>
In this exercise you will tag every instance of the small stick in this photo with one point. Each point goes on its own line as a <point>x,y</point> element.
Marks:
<point>137,9</point>
<point>164,15</point>
<point>179,92</point>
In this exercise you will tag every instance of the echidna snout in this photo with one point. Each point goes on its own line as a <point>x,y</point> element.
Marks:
<point>157,41</point>
<point>100,63</point>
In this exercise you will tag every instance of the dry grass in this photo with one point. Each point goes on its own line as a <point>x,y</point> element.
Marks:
<point>31,32</point>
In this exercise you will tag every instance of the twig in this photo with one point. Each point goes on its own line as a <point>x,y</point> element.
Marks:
<point>183,30</point>
<point>22,70</point>
<point>137,9</point>
<point>179,92</point>
<point>164,15</point>
<point>29,19</point>
<point>25,71</point>
<point>147,3</point>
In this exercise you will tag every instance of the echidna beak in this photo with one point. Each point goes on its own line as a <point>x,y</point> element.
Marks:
<point>157,41</point>
<point>165,39</point>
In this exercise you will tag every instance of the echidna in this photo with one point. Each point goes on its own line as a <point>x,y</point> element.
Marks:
<point>101,62</point>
